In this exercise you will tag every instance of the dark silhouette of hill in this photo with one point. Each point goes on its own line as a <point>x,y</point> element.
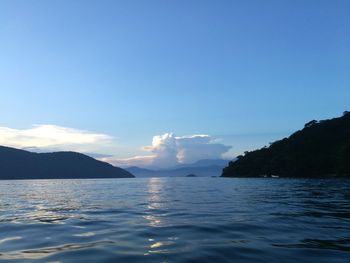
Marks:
<point>20,164</point>
<point>321,148</point>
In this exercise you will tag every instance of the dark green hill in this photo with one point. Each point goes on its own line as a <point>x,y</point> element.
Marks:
<point>20,164</point>
<point>321,148</point>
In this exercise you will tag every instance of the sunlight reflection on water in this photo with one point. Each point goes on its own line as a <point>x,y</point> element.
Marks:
<point>154,198</point>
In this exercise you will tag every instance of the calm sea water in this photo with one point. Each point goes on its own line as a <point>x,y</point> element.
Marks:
<point>175,220</point>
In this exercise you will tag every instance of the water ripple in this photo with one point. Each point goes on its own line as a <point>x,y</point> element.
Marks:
<point>175,220</point>
<point>45,252</point>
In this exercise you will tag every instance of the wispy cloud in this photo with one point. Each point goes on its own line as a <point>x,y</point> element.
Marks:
<point>140,161</point>
<point>46,137</point>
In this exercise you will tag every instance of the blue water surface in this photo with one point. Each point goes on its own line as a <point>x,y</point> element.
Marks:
<point>175,220</point>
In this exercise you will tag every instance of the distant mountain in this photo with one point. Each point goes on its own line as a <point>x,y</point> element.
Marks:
<point>205,163</point>
<point>200,168</point>
<point>321,148</point>
<point>141,172</point>
<point>20,164</point>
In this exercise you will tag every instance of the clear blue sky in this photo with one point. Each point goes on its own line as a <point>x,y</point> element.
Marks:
<point>244,71</point>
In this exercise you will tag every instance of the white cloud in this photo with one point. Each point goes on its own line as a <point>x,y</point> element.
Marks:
<point>169,150</point>
<point>43,138</point>
<point>164,149</point>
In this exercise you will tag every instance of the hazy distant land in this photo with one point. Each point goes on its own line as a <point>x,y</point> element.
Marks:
<point>200,168</point>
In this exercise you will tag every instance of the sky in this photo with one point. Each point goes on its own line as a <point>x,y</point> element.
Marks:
<point>167,82</point>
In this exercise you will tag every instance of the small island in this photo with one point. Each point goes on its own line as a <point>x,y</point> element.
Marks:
<point>191,175</point>
<point>320,149</point>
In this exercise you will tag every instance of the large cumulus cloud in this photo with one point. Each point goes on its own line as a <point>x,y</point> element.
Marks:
<point>168,150</point>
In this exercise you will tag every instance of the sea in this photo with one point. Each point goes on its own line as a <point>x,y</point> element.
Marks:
<point>175,220</point>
